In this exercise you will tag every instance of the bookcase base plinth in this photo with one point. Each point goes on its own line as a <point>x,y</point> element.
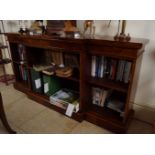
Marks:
<point>114,126</point>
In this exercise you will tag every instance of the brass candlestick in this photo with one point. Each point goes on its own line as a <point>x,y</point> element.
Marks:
<point>122,36</point>
<point>123,27</point>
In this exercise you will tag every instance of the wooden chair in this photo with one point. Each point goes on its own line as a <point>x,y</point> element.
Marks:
<point>3,117</point>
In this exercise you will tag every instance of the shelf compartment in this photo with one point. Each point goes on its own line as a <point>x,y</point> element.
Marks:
<point>44,100</point>
<point>73,77</point>
<point>70,78</point>
<point>119,86</point>
<point>105,113</point>
<point>107,118</point>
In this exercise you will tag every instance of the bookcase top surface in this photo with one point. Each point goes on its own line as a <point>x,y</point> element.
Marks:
<point>136,43</point>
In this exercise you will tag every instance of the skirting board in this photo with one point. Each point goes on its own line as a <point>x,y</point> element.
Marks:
<point>143,113</point>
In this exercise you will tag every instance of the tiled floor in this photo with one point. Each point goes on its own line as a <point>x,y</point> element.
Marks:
<point>27,116</point>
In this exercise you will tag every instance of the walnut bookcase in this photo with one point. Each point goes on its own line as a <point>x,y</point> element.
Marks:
<point>85,48</point>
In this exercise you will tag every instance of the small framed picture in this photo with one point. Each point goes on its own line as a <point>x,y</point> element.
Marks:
<point>54,27</point>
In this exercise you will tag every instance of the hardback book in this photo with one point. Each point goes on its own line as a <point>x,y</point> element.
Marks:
<point>36,79</point>
<point>57,58</point>
<point>113,69</point>
<point>96,94</point>
<point>64,72</point>
<point>102,67</point>
<point>126,73</point>
<point>22,52</point>
<point>51,70</point>
<point>103,97</point>
<point>71,60</point>
<point>93,66</point>
<point>39,68</point>
<point>51,84</point>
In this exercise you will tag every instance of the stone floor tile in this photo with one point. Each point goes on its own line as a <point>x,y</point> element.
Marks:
<point>50,121</point>
<point>89,128</point>
<point>22,111</point>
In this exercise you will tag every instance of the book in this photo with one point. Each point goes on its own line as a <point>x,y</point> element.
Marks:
<point>57,58</point>
<point>103,97</point>
<point>64,72</point>
<point>113,69</point>
<point>116,105</point>
<point>51,70</point>
<point>71,60</point>
<point>102,67</point>
<point>93,66</point>
<point>126,73</point>
<point>22,52</point>
<point>51,84</point>
<point>36,79</point>
<point>39,68</point>
<point>96,94</point>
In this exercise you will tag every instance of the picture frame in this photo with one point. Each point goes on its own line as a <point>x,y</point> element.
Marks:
<point>54,27</point>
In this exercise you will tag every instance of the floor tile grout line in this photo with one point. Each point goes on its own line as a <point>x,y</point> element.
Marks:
<point>32,117</point>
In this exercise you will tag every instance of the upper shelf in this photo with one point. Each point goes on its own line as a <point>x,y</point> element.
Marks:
<point>133,43</point>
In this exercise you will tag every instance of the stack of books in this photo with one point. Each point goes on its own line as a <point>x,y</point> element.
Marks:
<point>99,96</point>
<point>64,97</point>
<point>105,98</point>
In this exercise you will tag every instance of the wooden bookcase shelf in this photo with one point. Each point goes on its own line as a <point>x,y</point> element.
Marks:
<point>37,49</point>
<point>103,82</point>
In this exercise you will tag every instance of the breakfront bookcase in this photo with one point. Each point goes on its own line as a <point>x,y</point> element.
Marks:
<point>82,81</point>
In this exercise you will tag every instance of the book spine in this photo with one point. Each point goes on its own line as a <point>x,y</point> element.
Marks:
<point>127,72</point>
<point>93,66</point>
<point>102,67</point>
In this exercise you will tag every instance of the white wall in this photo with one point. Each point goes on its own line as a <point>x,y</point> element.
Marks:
<point>145,95</point>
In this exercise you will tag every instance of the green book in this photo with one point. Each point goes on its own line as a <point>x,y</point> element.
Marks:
<point>37,83</point>
<point>51,84</point>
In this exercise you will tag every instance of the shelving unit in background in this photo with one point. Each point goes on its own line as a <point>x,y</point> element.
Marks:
<point>5,57</point>
<point>6,78</point>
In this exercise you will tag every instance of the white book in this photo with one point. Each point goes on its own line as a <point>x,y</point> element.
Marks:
<point>104,96</point>
<point>93,66</point>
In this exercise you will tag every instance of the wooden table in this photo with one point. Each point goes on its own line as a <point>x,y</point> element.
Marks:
<point>3,117</point>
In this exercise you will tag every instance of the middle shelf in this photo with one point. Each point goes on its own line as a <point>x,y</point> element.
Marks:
<point>107,83</point>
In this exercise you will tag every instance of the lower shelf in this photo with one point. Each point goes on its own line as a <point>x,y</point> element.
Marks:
<point>42,99</point>
<point>108,119</point>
